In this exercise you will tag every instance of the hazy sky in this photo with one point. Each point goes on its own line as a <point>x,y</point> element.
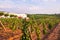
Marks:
<point>30,6</point>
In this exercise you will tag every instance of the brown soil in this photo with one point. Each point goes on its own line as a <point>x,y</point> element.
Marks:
<point>10,35</point>
<point>54,34</point>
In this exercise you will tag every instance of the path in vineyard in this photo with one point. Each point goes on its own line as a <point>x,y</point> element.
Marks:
<point>54,34</point>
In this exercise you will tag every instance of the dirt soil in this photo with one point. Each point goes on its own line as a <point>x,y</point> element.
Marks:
<point>10,35</point>
<point>54,34</point>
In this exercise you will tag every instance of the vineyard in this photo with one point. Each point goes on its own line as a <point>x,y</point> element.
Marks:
<point>34,28</point>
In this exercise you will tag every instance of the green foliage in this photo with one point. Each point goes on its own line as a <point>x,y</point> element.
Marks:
<point>1,13</point>
<point>11,15</point>
<point>6,15</point>
<point>50,26</point>
<point>26,33</point>
<point>15,15</point>
<point>33,24</point>
<point>12,23</point>
<point>44,29</point>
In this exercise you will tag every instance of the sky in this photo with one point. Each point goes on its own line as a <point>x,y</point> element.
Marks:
<point>31,6</point>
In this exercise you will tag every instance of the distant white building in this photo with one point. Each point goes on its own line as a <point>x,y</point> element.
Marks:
<point>19,15</point>
<point>2,16</point>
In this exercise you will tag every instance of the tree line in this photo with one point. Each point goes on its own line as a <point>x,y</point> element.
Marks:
<point>7,14</point>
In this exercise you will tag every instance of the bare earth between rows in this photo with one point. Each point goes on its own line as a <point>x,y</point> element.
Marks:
<point>54,35</point>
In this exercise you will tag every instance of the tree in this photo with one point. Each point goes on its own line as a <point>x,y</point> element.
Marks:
<point>1,13</point>
<point>11,15</point>
<point>15,16</point>
<point>6,15</point>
